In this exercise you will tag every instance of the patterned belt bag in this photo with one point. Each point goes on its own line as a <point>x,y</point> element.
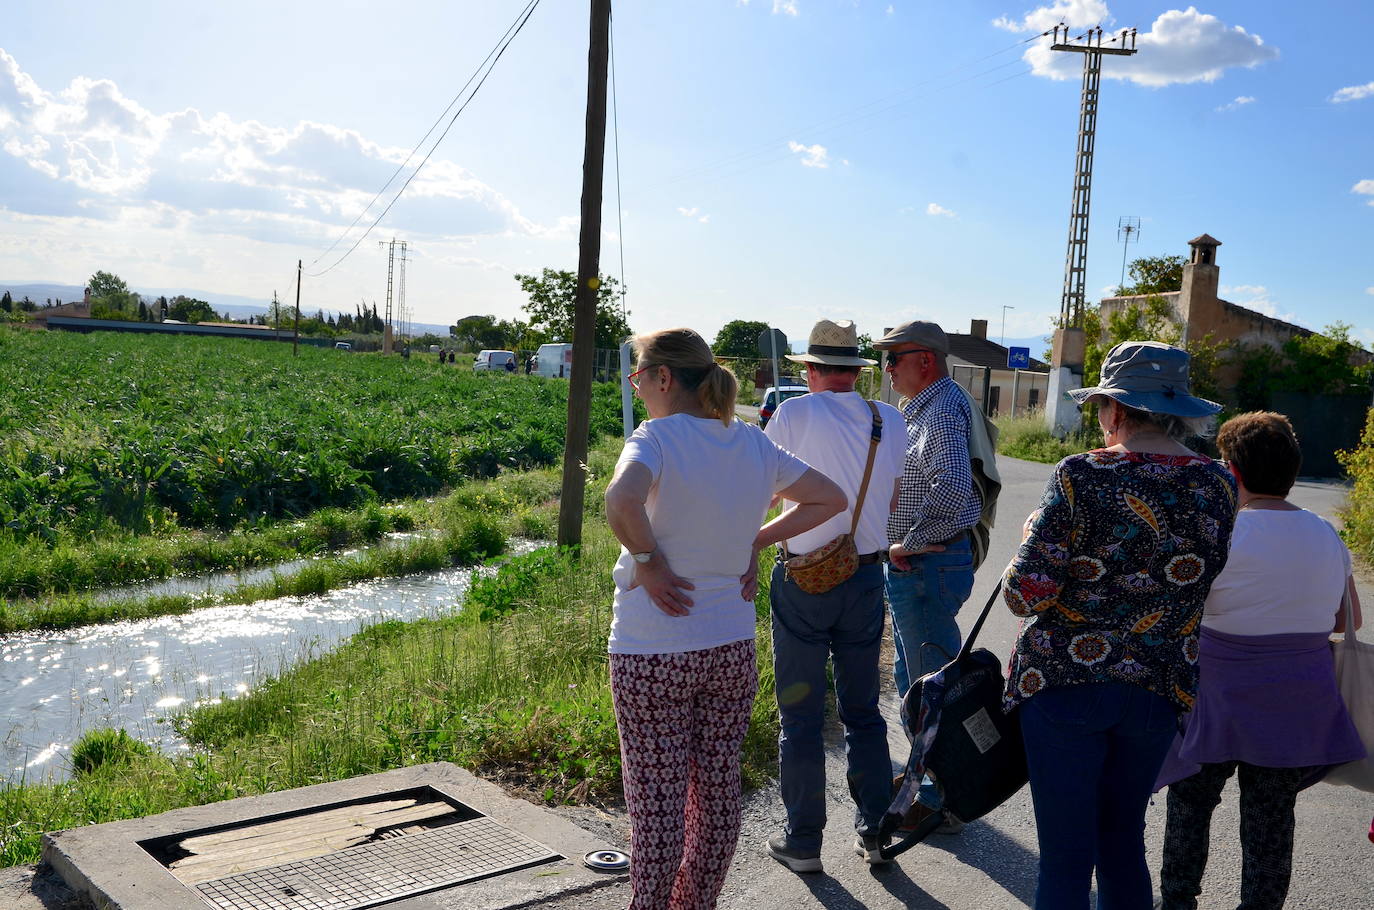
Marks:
<point>829,566</point>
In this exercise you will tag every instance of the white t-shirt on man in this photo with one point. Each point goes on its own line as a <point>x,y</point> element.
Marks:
<point>831,431</point>
<point>1285,573</point>
<point>711,490</point>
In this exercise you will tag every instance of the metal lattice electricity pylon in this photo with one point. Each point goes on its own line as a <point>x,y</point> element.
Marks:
<point>391,246</point>
<point>1076,259</point>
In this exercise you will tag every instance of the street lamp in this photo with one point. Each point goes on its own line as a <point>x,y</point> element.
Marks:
<point>1005,307</point>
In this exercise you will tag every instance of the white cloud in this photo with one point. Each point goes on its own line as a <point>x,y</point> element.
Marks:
<point>1234,105</point>
<point>789,7</point>
<point>813,155</point>
<point>1369,290</point>
<point>890,10</point>
<point>1255,297</point>
<point>937,209</point>
<point>1364,188</point>
<point>91,150</point>
<point>1073,13</point>
<point>704,219</point>
<point>1181,46</point>
<point>1353,93</point>
<point>686,212</point>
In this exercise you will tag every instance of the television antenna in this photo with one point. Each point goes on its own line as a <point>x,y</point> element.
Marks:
<point>1127,232</point>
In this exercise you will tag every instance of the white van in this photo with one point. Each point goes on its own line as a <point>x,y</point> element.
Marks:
<point>554,360</point>
<point>495,360</point>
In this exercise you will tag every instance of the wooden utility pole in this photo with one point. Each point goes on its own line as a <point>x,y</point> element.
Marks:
<point>296,332</point>
<point>588,283</point>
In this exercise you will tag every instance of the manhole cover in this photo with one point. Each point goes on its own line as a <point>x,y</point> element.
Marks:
<point>381,871</point>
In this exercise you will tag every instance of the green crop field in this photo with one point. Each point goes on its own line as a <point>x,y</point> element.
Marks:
<point>121,437</point>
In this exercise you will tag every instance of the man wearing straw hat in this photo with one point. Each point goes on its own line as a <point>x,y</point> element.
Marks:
<point>834,430</point>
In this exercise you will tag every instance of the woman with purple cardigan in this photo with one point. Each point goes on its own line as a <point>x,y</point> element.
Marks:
<point>1267,703</point>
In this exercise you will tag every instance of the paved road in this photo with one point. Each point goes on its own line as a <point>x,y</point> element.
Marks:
<point>993,863</point>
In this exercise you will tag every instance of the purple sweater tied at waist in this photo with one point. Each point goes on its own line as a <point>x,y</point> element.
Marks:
<point>1267,700</point>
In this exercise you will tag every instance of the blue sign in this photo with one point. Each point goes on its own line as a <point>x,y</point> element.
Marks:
<point>1018,358</point>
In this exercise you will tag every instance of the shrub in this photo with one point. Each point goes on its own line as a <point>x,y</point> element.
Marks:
<point>510,588</point>
<point>106,748</point>
<point>1358,514</point>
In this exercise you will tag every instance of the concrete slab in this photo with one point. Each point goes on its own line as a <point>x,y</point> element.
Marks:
<point>105,863</point>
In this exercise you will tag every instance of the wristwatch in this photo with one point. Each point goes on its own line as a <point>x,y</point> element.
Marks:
<point>642,558</point>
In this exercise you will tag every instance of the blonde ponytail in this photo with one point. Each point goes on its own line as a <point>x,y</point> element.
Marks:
<point>717,393</point>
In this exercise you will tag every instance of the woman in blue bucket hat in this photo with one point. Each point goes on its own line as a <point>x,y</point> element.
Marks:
<point>1110,579</point>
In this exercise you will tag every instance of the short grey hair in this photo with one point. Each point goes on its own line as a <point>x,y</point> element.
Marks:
<point>1175,427</point>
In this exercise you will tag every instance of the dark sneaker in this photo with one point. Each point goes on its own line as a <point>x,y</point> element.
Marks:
<point>868,847</point>
<point>793,858</point>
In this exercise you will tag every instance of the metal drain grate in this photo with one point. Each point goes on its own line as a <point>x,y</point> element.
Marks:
<point>382,871</point>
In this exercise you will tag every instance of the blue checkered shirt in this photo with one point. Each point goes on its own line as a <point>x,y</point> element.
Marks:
<point>938,498</point>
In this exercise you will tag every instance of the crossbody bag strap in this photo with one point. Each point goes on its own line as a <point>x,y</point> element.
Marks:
<point>874,437</point>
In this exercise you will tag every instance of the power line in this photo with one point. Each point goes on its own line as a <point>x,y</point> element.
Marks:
<point>511,35</point>
<point>428,133</point>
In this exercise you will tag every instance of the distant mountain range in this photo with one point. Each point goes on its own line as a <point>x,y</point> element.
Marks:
<point>236,307</point>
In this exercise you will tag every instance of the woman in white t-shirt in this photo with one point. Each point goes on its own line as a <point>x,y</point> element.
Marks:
<point>689,493</point>
<point>1267,706</point>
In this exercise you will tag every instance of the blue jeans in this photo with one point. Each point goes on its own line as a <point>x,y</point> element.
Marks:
<point>844,624</point>
<point>1094,751</point>
<point>924,602</point>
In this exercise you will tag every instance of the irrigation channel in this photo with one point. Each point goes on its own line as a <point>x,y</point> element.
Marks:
<point>54,686</point>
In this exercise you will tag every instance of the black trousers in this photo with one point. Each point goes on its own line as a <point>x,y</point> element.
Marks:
<point>1267,796</point>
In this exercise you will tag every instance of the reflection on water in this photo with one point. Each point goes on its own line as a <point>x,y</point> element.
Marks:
<point>56,685</point>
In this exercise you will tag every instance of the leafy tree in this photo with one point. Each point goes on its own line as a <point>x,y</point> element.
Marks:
<point>1318,364</point>
<point>27,305</point>
<point>105,285</point>
<point>189,309</point>
<point>7,303</point>
<point>551,306</point>
<point>1153,275</point>
<point>739,338</point>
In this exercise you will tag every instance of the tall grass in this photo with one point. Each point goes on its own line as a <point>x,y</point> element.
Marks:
<point>470,524</point>
<point>521,697</point>
<point>1027,436</point>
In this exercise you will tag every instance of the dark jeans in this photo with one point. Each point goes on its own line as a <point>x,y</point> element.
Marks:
<point>1093,752</point>
<point>1267,796</point>
<point>844,624</point>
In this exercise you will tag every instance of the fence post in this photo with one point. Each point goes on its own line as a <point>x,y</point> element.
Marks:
<point>627,401</point>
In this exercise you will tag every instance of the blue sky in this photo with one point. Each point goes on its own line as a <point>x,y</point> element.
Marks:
<point>779,159</point>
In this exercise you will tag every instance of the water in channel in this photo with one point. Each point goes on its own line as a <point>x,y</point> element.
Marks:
<point>54,686</point>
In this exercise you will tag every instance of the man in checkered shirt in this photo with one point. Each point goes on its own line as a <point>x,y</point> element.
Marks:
<point>930,560</point>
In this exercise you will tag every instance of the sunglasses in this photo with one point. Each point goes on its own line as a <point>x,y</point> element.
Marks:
<point>894,356</point>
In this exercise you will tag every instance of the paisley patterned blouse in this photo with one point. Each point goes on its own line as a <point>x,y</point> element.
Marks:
<point>1114,572</point>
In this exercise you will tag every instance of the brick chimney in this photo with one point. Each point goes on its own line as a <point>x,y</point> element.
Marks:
<point>1199,308</point>
<point>978,328</point>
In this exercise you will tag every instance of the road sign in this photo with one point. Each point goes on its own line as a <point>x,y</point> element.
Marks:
<point>1018,358</point>
<point>766,343</point>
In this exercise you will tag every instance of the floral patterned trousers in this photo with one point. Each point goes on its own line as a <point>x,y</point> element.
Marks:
<point>682,718</point>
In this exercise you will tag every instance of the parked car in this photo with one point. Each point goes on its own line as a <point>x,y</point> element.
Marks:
<point>553,360</point>
<point>342,346</point>
<point>494,360</point>
<point>772,397</point>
